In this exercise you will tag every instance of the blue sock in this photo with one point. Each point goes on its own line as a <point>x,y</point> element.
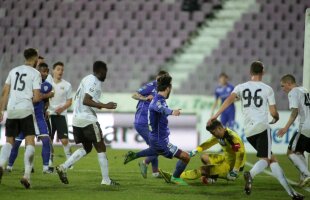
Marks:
<point>154,161</point>
<point>14,152</point>
<point>46,150</point>
<point>146,152</point>
<point>179,168</point>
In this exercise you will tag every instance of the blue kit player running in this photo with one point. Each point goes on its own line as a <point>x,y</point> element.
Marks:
<point>144,96</point>
<point>42,132</point>
<point>159,133</point>
<point>222,91</point>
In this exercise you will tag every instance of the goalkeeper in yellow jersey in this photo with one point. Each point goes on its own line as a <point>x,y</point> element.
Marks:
<point>224,165</point>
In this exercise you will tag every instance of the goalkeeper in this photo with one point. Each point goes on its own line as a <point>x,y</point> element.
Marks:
<point>224,165</point>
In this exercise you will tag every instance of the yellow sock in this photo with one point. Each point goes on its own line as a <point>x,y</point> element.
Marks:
<point>191,174</point>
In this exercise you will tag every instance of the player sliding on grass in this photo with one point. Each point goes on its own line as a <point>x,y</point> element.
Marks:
<point>224,165</point>
<point>257,99</point>
<point>86,129</point>
<point>159,134</point>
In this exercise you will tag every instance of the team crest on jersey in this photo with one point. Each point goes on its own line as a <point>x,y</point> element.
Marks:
<point>222,142</point>
<point>158,104</point>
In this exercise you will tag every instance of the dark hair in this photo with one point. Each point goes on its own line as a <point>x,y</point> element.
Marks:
<point>223,74</point>
<point>214,124</point>
<point>30,53</point>
<point>41,57</point>
<point>43,65</point>
<point>162,72</point>
<point>257,68</point>
<point>58,63</point>
<point>99,65</point>
<point>288,78</point>
<point>163,82</point>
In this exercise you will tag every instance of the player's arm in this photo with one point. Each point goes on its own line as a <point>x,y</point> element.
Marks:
<point>37,96</point>
<point>204,146</point>
<point>140,97</point>
<point>88,101</point>
<point>144,93</point>
<point>4,99</point>
<point>165,110</point>
<point>227,102</point>
<point>48,95</point>
<point>274,113</point>
<point>293,116</point>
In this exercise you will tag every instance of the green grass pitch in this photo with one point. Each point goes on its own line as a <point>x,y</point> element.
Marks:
<point>85,181</point>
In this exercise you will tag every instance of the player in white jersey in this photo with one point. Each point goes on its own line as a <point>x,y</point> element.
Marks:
<point>257,100</point>
<point>299,104</point>
<point>21,90</point>
<point>86,129</point>
<point>58,106</point>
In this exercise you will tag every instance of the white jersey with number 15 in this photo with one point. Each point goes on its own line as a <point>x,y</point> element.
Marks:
<point>256,97</point>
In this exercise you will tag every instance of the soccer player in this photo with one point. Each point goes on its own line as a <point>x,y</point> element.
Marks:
<point>21,90</point>
<point>256,99</point>
<point>144,96</point>
<point>159,134</point>
<point>222,91</point>
<point>58,106</point>
<point>224,165</point>
<point>43,134</point>
<point>299,103</point>
<point>86,129</point>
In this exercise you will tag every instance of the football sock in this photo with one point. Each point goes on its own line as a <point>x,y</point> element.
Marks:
<point>154,161</point>
<point>179,168</point>
<point>14,152</point>
<point>76,156</point>
<point>103,162</point>
<point>5,153</point>
<point>259,167</point>
<point>278,173</point>
<point>67,150</point>
<point>50,162</point>
<point>146,152</point>
<point>28,160</point>
<point>46,150</point>
<point>299,163</point>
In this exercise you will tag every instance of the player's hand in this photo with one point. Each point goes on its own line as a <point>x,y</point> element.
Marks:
<point>149,98</point>
<point>273,121</point>
<point>232,175</point>
<point>110,105</point>
<point>176,112</point>
<point>211,119</point>
<point>281,132</point>
<point>51,94</point>
<point>1,116</point>
<point>59,110</point>
<point>193,153</point>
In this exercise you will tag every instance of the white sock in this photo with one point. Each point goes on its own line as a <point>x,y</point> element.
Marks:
<point>259,167</point>
<point>103,162</point>
<point>300,164</point>
<point>50,162</point>
<point>28,160</point>
<point>278,173</point>
<point>76,156</point>
<point>5,153</point>
<point>67,150</point>
<point>45,167</point>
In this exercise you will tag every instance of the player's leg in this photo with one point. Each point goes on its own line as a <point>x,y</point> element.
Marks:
<point>51,124</point>
<point>12,130</point>
<point>14,152</point>
<point>279,174</point>
<point>143,131</point>
<point>46,153</point>
<point>130,155</point>
<point>184,159</point>
<point>62,133</point>
<point>295,152</point>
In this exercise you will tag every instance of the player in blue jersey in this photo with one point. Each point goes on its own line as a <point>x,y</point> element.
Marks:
<point>222,91</point>
<point>144,96</point>
<point>41,129</point>
<point>159,133</point>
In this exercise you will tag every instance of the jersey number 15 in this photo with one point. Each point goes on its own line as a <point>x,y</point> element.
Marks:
<point>19,81</point>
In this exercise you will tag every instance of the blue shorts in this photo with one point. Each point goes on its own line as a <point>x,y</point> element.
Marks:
<point>42,126</point>
<point>143,130</point>
<point>164,148</point>
<point>228,119</point>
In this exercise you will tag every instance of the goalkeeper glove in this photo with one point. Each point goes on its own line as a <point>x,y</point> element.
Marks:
<point>195,151</point>
<point>232,175</point>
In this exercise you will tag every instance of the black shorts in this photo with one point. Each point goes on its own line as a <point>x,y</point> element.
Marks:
<point>299,143</point>
<point>13,127</point>
<point>90,133</point>
<point>59,124</point>
<point>262,144</point>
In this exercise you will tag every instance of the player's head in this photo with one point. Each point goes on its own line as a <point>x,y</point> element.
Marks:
<point>58,70</point>
<point>216,128</point>
<point>31,56</point>
<point>257,68</point>
<point>43,69</point>
<point>164,85</point>
<point>40,60</point>
<point>100,70</point>
<point>161,73</point>
<point>223,79</point>
<point>288,82</point>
